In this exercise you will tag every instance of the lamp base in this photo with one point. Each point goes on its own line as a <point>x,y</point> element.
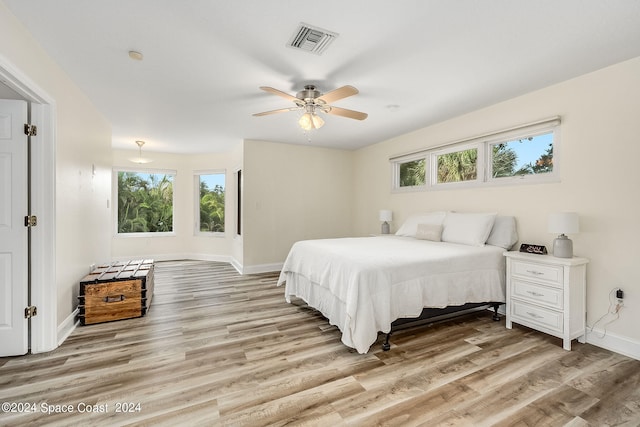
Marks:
<point>385,228</point>
<point>563,247</point>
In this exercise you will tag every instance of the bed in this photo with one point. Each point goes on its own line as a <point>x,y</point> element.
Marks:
<point>438,260</point>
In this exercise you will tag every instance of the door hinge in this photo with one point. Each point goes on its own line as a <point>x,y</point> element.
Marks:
<point>30,221</point>
<point>31,311</point>
<point>30,130</point>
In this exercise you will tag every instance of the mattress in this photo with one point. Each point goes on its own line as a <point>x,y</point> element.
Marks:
<point>363,284</point>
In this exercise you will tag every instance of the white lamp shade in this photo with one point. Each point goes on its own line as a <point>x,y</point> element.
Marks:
<point>564,223</point>
<point>386,215</point>
<point>310,121</point>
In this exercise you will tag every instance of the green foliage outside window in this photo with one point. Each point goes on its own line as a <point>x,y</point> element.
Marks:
<point>211,206</point>
<point>458,166</point>
<point>413,173</point>
<point>526,158</point>
<point>145,202</point>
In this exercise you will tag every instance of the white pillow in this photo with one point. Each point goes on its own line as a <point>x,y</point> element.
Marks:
<point>504,233</point>
<point>468,228</point>
<point>410,226</point>
<point>431,232</point>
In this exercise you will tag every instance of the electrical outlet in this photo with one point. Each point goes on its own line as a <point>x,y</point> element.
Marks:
<point>619,294</point>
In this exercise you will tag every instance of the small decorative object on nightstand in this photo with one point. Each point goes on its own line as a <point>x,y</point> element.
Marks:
<point>548,294</point>
<point>563,223</point>
<point>386,216</point>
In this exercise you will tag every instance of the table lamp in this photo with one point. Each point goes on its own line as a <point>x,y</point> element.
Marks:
<point>386,216</point>
<point>563,223</point>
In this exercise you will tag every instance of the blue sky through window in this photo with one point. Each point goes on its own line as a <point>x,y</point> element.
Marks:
<point>147,176</point>
<point>213,179</point>
<point>530,151</point>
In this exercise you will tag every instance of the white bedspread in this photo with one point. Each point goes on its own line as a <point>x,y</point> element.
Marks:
<point>363,284</point>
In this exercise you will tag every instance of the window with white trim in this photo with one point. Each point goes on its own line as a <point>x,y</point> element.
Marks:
<point>455,164</point>
<point>210,202</point>
<point>520,157</point>
<point>144,202</point>
<point>412,173</point>
<point>523,154</point>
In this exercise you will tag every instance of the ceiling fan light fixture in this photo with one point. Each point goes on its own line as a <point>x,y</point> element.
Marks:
<point>310,101</point>
<point>305,121</point>
<point>317,121</point>
<point>310,121</point>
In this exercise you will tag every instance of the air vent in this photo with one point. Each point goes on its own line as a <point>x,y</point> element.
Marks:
<point>311,39</point>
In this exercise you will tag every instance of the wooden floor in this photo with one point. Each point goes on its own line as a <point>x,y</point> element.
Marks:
<point>218,348</point>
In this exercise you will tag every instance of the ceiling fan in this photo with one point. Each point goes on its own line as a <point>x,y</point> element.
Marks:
<point>311,100</point>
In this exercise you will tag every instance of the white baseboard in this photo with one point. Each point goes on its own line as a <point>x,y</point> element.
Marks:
<point>67,326</point>
<point>261,268</point>
<point>242,269</point>
<point>178,257</point>
<point>255,269</point>
<point>208,257</point>
<point>236,264</point>
<point>609,341</point>
<point>615,343</point>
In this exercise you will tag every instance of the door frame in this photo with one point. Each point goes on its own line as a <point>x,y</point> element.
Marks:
<point>44,291</point>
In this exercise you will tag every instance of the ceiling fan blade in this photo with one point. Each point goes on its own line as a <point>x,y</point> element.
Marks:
<point>351,114</point>
<point>340,93</point>
<point>281,110</point>
<point>279,93</point>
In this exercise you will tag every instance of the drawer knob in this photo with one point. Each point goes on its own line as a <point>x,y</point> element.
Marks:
<point>534,315</point>
<point>536,273</point>
<point>535,294</point>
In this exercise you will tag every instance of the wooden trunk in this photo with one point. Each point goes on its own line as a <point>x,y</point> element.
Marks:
<point>121,290</point>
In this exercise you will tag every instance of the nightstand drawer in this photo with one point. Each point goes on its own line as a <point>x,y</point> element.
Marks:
<point>538,294</point>
<point>538,271</point>
<point>526,314</point>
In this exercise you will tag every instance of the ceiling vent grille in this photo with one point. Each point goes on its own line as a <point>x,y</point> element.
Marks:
<point>311,39</point>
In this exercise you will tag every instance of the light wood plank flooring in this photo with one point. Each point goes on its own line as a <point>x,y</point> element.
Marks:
<point>218,348</point>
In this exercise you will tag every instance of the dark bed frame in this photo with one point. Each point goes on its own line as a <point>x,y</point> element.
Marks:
<point>432,315</point>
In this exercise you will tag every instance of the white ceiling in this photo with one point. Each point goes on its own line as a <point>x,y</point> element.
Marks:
<point>197,87</point>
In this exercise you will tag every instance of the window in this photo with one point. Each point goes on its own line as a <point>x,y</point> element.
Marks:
<point>525,156</point>
<point>522,154</point>
<point>413,173</point>
<point>144,201</point>
<point>210,207</point>
<point>456,166</point>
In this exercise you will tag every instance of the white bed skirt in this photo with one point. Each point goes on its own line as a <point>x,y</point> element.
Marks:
<point>406,300</point>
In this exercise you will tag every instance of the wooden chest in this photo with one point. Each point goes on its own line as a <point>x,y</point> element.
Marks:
<point>120,290</point>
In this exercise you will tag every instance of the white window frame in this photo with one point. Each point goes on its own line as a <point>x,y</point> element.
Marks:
<point>115,197</point>
<point>395,173</point>
<point>553,176</point>
<point>196,222</point>
<point>433,177</point>
<point>483,144</point>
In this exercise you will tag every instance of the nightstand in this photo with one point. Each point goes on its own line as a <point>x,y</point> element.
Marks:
<point>547,294</point>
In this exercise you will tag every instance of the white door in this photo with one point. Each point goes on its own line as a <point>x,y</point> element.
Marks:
<point>13,233</point>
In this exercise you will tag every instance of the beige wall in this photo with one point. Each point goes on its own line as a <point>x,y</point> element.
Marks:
<point>184,243</point>
<point>600,175</point>
<point>82,163</point>
<point>320,179</point>
<point>291,193</point>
